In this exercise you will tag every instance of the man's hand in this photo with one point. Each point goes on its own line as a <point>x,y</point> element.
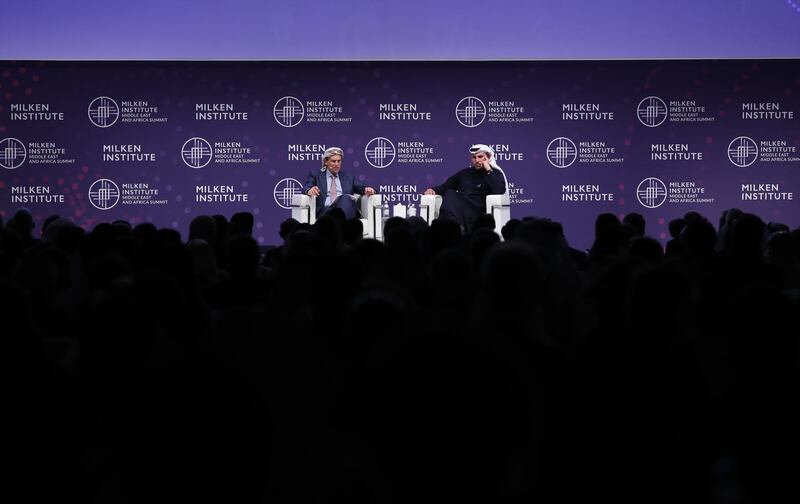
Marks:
<point>429,192</point>
<point>368,191</point>
<point>313,192</point>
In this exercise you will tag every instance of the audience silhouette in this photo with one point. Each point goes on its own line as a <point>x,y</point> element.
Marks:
<point>139,367</point>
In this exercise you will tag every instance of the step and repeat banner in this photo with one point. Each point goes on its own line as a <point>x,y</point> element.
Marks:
<point>164,142</point>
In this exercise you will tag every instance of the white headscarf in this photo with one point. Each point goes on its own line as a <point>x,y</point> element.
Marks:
<point>330,151</point>
<point>485,148</point>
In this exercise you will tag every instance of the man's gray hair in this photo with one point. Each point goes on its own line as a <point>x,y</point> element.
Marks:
<point>331,151</point>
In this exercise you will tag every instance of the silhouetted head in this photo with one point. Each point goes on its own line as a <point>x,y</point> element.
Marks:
<point>243,222</point>
<point>637,221</point>
<point>352,231</point>
<point>328,228</point>
<point>747,237</point>
<point>393,223</point>
<point>243,256</point>
<point>441,235</point>
<point>510,229</point>
<point>676,226</point>
<point>480,242</point>
<point>646,248</point>
<point>416,225</point>
<point>337,214</point>
<point>22,222</point>
<point>203,227</point>
<point>777,227</point>
<point>223,226</point>
<point>728,216</point>
<point>48,221</point>
<point>54,229</point>
<point>484,221</point>
<point>288,227</point>
<point>145,230</point>
<point>607,235</point>
<point>699,237</point>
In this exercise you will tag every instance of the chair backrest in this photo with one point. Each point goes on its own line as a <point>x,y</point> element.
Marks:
<point>499,206</point>
<point>505,179</point>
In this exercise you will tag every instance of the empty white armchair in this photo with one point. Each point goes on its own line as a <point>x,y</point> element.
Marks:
<point>498,205</point>
<point>304,210</point>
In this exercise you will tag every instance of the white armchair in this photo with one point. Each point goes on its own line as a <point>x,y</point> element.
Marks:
<point>429,207</point>
<point>499,205</point>
<point>304,209</point>
<point>372,216</point>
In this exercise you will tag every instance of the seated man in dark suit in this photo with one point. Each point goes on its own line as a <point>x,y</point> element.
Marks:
<point>464,193</point>
<point>334,187</point>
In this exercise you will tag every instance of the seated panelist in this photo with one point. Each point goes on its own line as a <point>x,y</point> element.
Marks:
<point>464,193</point>
<point>334,187</point>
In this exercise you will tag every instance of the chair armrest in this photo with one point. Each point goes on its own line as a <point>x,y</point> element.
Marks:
<point>304,208</point>
<point>499,206</point>
<point>368,202</point>
<point>371,213</point>
<point>429,206</point>
<point>494,200</point>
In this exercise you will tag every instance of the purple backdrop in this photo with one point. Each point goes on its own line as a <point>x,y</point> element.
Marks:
<point>575,138</point>
<point>366,29</point>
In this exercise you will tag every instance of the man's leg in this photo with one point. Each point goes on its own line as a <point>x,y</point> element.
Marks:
<point>347,204</point>
<point>455,207</point>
